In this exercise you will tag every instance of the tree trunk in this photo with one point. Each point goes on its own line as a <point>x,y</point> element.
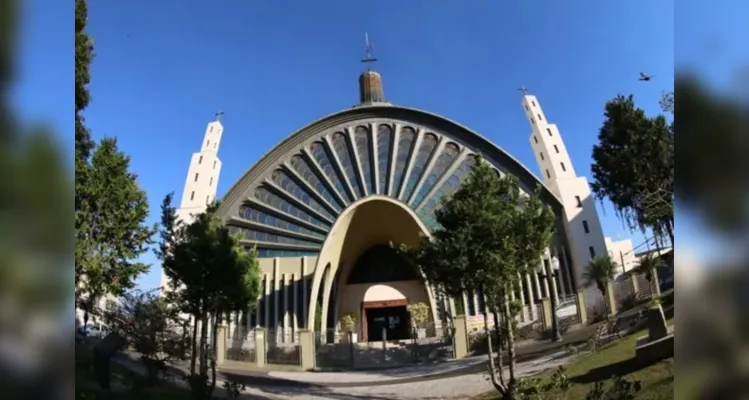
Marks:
<point>510,394</point>
<point>213,358</point>
<point>193,344</point>
<point>495,375</point>
<point>203,338</point>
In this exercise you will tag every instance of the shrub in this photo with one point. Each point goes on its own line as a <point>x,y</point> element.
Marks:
<point>348,322</point>
<point>621,389</point>
<point>419,313</point>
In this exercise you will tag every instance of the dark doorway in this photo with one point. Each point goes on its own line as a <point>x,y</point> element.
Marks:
<point>394,320</point>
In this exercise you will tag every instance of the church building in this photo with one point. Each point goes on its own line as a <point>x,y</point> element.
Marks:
<point>323,205</point>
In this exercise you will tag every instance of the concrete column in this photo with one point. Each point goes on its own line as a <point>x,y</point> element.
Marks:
<point>260,347</point>
<point>460,337</point>
<point>465,304</point>
<point>545,282</point>
<point>220,344</point>
<point>546,306</point>
<point>635,285</point>
<point>582,312</point>
<point>567,271</point>
<point>537,285</point>
<point>554,288</point>
<point>307,300</point>
<point>610,298</point>
<point>266,305</point>
<point>328,276</point>
<point>295,299</point>
<point>534,312</point>
<point>524,311</point>
<point>307,349</point>
<point>286,278</point>
<point>276,288</point>
<point>476,304</point>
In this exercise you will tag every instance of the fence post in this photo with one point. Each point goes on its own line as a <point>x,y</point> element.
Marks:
<point>306,349</point>
<point>546,307</point>
<point>260,334</point>
<point>220,344</point>
<point>460,337</point>
<point>610,298</point>
<point>582,312</point>
<point>635,285</point>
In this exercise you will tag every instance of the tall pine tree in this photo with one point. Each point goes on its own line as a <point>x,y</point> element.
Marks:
<point>110,207</point>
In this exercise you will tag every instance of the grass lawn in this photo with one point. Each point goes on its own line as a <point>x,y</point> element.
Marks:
<point>87,388</point>
<point>616,358</point>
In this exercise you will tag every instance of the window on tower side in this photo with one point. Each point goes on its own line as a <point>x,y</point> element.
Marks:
<point>192,195</point>
<point>200,160</point>
<point>532,121</point>
<point>592,251</point>
<point>563,167</point>
<point>526,108</point>
<point>579,202</point>
<point>542,155</point>
<point>535,139</point>
<point>586,228</point>
<point>214,165</point>
<point>533,102</point>
<point>549,130</point>
<point>207,143</point>
<point>548,174</point>
<point>210,182</point>
<point>556,149</point>
<point>207,199</point>
<point>539,117</point>
<point>196,177</point>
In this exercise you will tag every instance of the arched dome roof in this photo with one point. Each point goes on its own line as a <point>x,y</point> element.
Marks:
<point>287,202</point>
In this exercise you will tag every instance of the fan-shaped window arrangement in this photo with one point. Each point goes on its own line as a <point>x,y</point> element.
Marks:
<point>270,253</point>
<point>384,142</point>
<point>325,161</point>
<point>265,237</point>
<point>406,140</point>
<point>275,201</point>
<point>361,137</point>
<point>426,213</point>
<point>282,179</point>
<point>303,168</point>
<point>428,144</point>
<point>340,144</point>
<point>262,217</point>
<point>443,162</point>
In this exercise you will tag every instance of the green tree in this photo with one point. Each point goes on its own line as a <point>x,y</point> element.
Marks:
<point>489,233</point>
<point>633,166</point>
<point>648,265</point>
<point>110,207</point>
<point>114,230</point>
<point>211,274</point>
<point>599,272</point>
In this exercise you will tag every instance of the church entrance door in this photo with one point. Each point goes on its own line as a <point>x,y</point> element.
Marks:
<point>388,317</point>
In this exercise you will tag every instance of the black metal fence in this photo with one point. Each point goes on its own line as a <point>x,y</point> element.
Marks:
<point>282,347</point>
<point>240,345</point>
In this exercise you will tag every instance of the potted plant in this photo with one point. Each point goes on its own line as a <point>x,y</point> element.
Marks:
<point>419,313</point>
<point>348,323</point>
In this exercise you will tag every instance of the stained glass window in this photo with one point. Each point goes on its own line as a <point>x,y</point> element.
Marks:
<point>428,144</point>
<point>282,179</point>
<point>384,141</point>
<point>426,213</point>
<point>262,217</point>
<point>323,159</point>
<point>361,137</point>
<point>347,161</point>
<point>405,142</point>
<point>302,167</point>
<point>273,200</point>
<point>259,236</point>
<point>270,253</point>
<point>443,162</point>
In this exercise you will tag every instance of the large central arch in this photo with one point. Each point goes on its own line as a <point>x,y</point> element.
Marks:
<point>374,220</point>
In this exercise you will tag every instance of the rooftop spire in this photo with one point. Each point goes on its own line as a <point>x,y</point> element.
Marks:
<point>370,82</point>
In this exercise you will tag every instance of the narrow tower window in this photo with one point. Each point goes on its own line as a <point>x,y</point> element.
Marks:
<point>207,143</point>
<point>563,167</point>
<point>549,130</point>
<point>533,102</point>
<point>556,149</point>
<point>210,182</point>
<point>200,160</point>
<point>196,177</point>
<point>214,165</point>
<point>207,199</point>
<point>535,139</point>
<point>586,228</point>
<point>527,109</point>
<point>548,175</point>
<point>592,251</point>
<point>542,155</point>
<point>539,117</point>
<point>192,195</point>
<point>532,121</point>
<point>579,202</point>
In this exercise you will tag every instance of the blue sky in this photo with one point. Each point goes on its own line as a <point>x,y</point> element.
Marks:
<point>163,68</point>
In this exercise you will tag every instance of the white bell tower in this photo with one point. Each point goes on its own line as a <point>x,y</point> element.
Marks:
<point>202,176</point>
<point>558,174</point>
